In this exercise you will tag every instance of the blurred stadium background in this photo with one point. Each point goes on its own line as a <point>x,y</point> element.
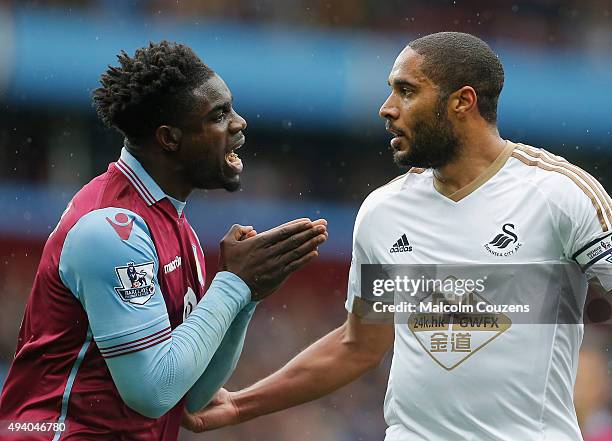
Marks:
<point>309,77</point>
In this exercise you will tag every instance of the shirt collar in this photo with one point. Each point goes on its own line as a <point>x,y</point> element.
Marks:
<point>140,179</point>
<point>179,205</point>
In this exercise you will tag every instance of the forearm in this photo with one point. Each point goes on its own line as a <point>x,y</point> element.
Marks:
<point>327,365</point>
<point>153,380</point>
<point>223,363</point>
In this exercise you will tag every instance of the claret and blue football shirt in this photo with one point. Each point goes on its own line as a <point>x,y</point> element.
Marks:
<point>115,321</point>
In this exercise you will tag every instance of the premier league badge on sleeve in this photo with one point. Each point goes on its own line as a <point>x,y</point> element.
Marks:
<point>136,282</point>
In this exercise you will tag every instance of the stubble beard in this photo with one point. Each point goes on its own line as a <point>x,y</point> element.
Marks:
<point>433,143</point>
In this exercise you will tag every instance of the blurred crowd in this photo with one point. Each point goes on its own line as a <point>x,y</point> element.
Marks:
<point>545,22</point>
<point>40,144</point>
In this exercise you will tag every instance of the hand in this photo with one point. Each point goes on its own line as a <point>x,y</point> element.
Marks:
<point>265,260</point>
<point>220,412</point>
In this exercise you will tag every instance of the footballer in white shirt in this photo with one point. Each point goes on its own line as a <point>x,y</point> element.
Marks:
<point>470,197</point>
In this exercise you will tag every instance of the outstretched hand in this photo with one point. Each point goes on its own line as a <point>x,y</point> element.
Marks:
<point>220,412</point>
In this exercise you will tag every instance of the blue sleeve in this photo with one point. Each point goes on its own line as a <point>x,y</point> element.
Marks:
<point>113,273</point>
<point>223,362</point>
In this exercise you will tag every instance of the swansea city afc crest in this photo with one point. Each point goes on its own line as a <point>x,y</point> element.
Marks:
<point>136,282</point>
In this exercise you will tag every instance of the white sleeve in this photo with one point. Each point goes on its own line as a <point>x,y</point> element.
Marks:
<point>586,229</point>
<point>595,259</point>
<point>359,257</point>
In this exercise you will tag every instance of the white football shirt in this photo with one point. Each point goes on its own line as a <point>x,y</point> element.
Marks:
<point>508,384</point>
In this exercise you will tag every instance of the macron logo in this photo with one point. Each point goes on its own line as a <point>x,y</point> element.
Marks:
<point>169,267</point>
<point>122,225</point>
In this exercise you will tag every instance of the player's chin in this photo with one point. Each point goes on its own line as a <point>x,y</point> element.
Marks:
<point>230,176</point>
<point>222,179</point>
<point>232,184</point>
<point>403,158</point>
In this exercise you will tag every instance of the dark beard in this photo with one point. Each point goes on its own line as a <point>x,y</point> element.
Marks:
<point>433,143</point>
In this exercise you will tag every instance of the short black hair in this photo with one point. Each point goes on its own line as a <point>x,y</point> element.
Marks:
<point>455,59</point>
<point>152,88</point>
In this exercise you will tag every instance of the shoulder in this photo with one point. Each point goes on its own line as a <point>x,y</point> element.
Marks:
<point>554,172</point>
<point>105,232</point>
<point>109,223</point>
<point>380,200</point>
<point>391,189</point>
<point>565,185</point>
<point>109,189</point>
<point>102,242</point>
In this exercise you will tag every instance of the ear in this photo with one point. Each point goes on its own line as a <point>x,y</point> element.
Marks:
<point>463,101</point>
<point>169,137</point>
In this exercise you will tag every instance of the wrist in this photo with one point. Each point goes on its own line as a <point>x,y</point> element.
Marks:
<point>234,286</point>
<point>244,410</point>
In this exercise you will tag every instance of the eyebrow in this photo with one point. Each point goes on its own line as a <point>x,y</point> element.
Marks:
<point>222,106</point>
<point>402,83</point>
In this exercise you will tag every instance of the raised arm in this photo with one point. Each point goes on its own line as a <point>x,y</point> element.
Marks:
<point>224,362</point>
<point>153,365</point>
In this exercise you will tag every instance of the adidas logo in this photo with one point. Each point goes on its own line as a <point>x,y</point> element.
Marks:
<point>401,246</point>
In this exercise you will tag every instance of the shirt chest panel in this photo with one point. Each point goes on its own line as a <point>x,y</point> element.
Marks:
<point>182,271</point>
<point>510,227</point>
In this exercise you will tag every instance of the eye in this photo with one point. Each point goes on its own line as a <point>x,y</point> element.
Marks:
<point>406,91</point>
<point>221,116</point>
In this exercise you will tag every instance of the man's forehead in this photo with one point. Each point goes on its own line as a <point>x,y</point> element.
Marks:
<point>407,66</point>
<point>212,92</point>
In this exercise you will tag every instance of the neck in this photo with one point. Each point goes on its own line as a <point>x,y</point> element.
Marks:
<point>163,171</point>
<point>476,153</point>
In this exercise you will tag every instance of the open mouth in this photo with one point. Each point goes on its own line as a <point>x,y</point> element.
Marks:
<point>233,160</point>
<point>396,140</point>
<point>397,137</point>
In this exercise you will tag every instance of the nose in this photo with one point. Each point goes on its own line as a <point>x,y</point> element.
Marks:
<point>238,123</point>
<point>389,110</point>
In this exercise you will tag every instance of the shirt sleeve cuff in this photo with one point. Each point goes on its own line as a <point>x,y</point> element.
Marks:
<point>235,284</point>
